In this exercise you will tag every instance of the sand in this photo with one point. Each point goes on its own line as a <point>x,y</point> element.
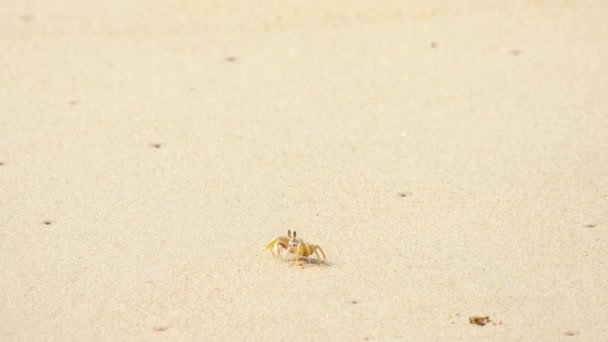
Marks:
<point>450,159</point>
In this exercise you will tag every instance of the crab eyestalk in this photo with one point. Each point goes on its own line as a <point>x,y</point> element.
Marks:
<point>293,242</point>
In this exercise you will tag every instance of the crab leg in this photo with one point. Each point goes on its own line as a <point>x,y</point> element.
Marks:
<point>320,249</point>
<point>298,251</point>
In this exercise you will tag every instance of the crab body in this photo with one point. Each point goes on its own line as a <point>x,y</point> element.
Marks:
<point>289,246</point>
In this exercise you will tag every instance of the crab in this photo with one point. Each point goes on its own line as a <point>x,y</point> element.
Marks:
<point>285,246</point>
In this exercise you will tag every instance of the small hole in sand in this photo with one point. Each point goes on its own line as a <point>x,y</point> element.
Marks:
<point>160,329</point>
<point>591,225</point>
<point>433,45</point>
<point>73,102</point>
<point>404,194</point>
<point>516,52</point>
<point>1,163</point>
<point>570,333</point>
<point>48,223</point>
<point>353,302</point>
<point>156,145</point>
<point>231,59</point>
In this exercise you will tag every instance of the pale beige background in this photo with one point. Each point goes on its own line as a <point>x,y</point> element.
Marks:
<point>491,118</point>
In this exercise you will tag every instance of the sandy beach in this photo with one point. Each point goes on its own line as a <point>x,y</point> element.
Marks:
<point>450,159</point>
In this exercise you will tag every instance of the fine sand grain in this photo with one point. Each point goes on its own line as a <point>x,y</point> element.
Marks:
<point>450,158</point>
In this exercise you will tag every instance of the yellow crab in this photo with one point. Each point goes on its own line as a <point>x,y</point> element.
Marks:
<point>284,246</point>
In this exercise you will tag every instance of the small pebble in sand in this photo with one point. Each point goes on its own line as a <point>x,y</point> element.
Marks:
<point>479,320</point>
